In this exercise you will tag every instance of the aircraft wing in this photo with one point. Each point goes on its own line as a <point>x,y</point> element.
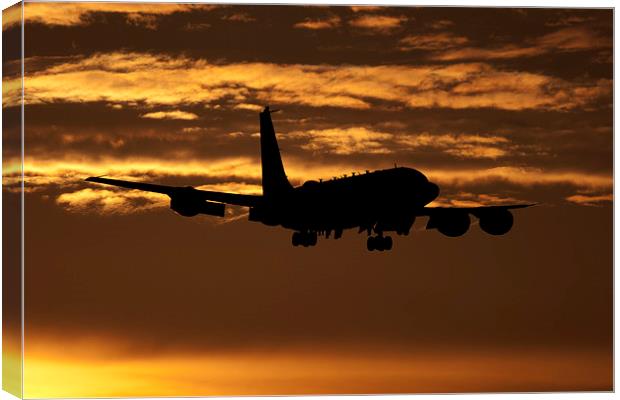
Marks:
<point>246,200</point>
<point>431,211</point>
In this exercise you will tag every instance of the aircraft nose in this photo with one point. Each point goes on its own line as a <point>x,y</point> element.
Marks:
<point>432,191</point>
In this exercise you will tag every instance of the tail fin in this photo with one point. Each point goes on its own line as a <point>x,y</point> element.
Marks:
<point>274,179</point>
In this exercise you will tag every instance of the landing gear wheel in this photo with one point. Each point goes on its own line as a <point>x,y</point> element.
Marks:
<point>379,243</point>
<point>304,239</point>
<point>370,243</point>
<point>312,239</point>
<point>296,239</point>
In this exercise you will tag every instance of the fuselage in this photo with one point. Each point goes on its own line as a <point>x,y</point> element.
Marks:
<point>360,200</point>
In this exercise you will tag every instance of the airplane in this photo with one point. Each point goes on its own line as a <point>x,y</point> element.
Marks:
<point>376,202</point>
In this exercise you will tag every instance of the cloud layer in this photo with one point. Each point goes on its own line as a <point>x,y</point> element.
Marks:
<point>70,14</point>
<point>161,80</point>
<point>564,40</point>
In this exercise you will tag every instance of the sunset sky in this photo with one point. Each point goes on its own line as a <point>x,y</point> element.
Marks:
<point>495,105</point>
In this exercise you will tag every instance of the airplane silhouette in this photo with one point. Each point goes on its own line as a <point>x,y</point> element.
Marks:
<point>380,201</point>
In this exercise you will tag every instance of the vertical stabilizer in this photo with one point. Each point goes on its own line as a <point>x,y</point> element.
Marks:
<point>274,179</point>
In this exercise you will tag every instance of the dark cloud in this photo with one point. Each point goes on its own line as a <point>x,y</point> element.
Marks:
<point>277,42</point>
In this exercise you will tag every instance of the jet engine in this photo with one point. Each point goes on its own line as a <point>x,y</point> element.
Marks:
<point>452,224</point>
<point>497,222</point>
<point>190,207</point>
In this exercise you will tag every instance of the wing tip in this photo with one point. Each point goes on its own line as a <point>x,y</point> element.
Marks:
<point>93,178</point>
<point>517,206</point>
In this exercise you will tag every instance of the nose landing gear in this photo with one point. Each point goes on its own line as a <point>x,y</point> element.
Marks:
<point>304,239</point>
<point>379,243</point>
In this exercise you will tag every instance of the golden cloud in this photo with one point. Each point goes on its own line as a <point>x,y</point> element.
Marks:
<point>504,52</point>
<point>461,145</point>
<point>11,92</point>
<point>67,14</point>
<point>435,41</point>
<point>590,200</point>
<point>378,23</point>
<point>123,201</point>
<point>361,140</point>
<point>74,170</point>
<point>522,176</point>
<point>104,201</point>
<point>133,78</point>
<point>364,8</point>
<point>233,187</point>
<point>515,91</point>
<point>465,199</point>
<point>11,16</point>
<point>247,106</point>
<point>344,141</point>
<point>563,40</point>
<point>176,114</point>
<point>474,151</point>
<point>327,23</point>
<point>445,140</point>
<point>573,39</point>
<point>101,139</point>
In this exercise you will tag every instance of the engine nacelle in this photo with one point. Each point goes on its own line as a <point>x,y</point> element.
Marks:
<point>497,222</point>
<point>452,224</point>
<point>190,207</point>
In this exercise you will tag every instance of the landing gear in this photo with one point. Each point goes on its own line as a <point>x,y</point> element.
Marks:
<point>379,243</point>
<point>304,239</point>
<point>296,239</point>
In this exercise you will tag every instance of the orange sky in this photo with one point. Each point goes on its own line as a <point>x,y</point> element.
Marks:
<point>93,368</point>
<point>126,298</point>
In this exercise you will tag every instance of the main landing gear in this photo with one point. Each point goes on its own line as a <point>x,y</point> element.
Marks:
<point>304,239</point>
<point>379,243</point>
